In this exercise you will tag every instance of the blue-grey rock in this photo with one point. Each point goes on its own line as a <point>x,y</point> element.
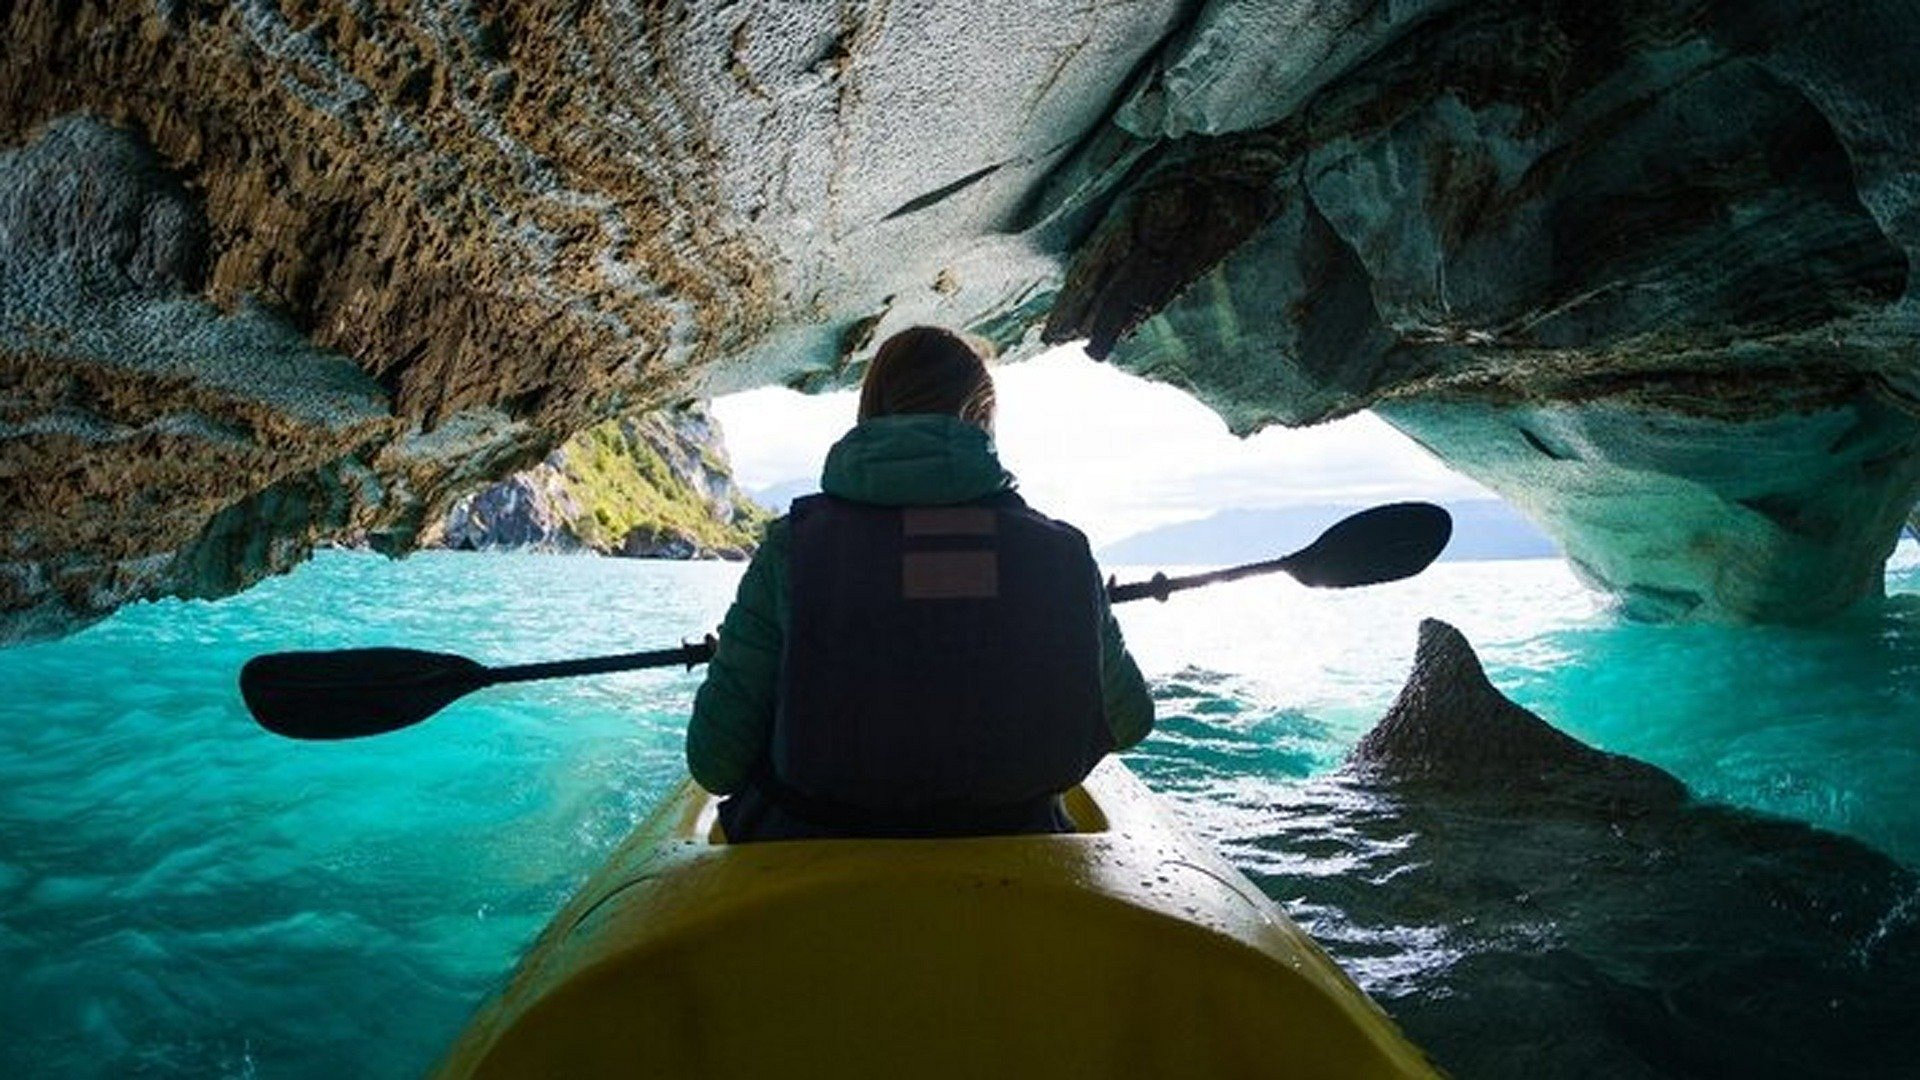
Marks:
<point>528,510</point>
<point>1678,228</point>
<point>428,247</point>
<point>1752,500</point>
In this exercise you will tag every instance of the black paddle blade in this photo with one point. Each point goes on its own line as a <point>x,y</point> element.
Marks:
<point>350,693</point>
<point>1386,543</point>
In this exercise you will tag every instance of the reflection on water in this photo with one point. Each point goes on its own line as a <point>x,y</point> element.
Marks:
<point>182,895</point>
<point>1538,940</point>
<point>1521,939</point>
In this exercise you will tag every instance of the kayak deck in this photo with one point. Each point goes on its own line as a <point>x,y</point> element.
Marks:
<point>1125,949</point>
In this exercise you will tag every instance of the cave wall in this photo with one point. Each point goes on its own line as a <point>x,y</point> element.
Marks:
<point>281,271</point>
<point>1643,268</point>
<point>314,270</point>
<point>1693,511</point>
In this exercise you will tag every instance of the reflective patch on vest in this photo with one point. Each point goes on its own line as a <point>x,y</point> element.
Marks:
<point>948,521</point>
<point>949,575</point>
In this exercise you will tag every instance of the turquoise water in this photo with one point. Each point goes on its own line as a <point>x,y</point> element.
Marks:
<point>184,895</point>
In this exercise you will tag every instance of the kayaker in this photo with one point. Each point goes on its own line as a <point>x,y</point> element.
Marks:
<point>914,652</point>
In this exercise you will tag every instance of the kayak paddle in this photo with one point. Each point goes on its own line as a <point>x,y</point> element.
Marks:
<point>1385,543</point>
<point>350,693</point>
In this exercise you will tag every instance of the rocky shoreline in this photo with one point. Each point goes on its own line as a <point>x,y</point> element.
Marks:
<point>653,486</point>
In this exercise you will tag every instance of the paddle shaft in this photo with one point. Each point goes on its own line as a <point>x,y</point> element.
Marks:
<point>1158,587</point>
<point>690,654</point>
<point>348,693</point>
<point>696,653</point>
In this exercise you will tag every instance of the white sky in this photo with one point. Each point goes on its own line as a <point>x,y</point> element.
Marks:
<point>1114,454</point>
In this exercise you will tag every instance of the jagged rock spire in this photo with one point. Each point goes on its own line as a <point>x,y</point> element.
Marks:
<point>1450,727</point>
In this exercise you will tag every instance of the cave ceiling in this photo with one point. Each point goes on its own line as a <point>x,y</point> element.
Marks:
<point>281,273</point>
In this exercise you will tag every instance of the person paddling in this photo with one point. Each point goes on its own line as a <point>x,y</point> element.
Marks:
<point>915,651</point>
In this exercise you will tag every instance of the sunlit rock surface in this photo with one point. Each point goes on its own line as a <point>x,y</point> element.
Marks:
<point>278,272</point>
<point>654,486</point>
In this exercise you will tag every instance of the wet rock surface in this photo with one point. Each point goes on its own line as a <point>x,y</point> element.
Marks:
<point>1528,906</point>
<point>1515,938</point>
<point>1451,730</point>
<point>285,272</point>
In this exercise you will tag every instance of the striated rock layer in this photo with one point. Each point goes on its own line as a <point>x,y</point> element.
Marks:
<point>1643,268</point>
<point>654,486</point>
<point>277,271</point>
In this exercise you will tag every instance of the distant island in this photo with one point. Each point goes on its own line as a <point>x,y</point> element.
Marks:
<point>1483,529</point>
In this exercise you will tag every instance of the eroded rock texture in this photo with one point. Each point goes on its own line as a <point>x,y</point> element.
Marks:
<point>281,270</point>
<point>136,418</point>
<point>1451,729</point>
<point>1642,268</point>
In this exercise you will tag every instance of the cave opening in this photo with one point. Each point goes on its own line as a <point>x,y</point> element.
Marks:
<point>1148,472</point>
<point>381,279</point>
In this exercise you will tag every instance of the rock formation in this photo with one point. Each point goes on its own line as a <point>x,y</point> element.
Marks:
<point>655,486</point>
<point>1491,869</point>
<point>1450,729</point>
<point>1641,268</point>
<point>279,271</point>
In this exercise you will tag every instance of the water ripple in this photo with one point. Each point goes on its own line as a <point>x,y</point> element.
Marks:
<point>183,895</point>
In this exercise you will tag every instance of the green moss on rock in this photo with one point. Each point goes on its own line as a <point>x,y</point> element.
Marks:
<point>650,486</point>
<point>627,487</point>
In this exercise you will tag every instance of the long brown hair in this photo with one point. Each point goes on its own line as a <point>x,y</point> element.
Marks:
<point>925,369</point>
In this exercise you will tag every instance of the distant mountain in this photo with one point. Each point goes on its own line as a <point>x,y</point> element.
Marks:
<point>775,497</point>
<point>1488,529</point>
<point>1483,529</point>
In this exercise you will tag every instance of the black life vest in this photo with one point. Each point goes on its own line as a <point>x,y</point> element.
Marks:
<point>941,672</point>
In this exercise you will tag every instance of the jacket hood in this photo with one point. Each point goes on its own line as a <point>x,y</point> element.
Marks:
<point>914,460</point>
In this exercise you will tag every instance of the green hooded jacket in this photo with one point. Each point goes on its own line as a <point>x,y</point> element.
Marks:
<point>913,460</point>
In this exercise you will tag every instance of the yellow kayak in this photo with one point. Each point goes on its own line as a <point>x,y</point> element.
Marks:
<point>1124,950</point>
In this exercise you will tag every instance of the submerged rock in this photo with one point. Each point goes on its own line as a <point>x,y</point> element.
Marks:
<point>1525,905</point>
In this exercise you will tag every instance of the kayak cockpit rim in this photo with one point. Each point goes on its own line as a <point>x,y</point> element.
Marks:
<point>1083,810</point>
